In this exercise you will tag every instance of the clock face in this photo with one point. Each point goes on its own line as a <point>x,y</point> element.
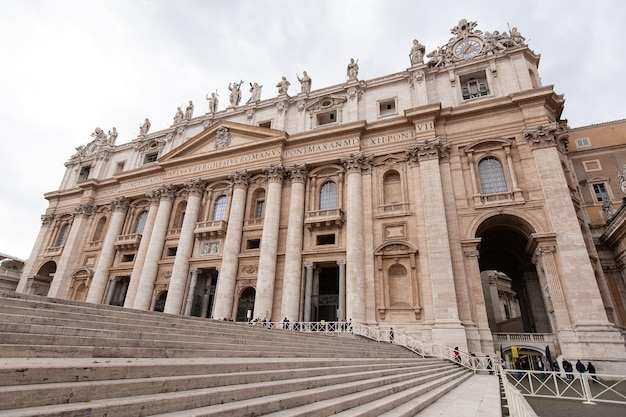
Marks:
<point>91,149</point>
<point>467,49</point>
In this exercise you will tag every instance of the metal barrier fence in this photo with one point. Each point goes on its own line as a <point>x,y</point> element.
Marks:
<point>421,348</point>
<point>589,388</point>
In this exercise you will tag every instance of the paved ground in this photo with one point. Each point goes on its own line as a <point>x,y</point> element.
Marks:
<point>479,396</point>
<point>545,407</point>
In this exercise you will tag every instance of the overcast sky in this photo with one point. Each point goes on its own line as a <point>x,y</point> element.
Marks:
<point>69,66</point>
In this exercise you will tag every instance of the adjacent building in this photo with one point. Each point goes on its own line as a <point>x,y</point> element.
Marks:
<point>379,201</point>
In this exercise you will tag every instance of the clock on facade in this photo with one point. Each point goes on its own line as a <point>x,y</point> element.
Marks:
<point>467,48</point>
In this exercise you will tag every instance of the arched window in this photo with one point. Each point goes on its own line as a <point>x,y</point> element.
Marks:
<point>328,196</point>
<point>62,235</point>
<point>180,215</point>
<point>99,233</point>
<point>219,208</point>
<point>259,204</point>
<point>392,188</point>
<point>492,178</point>
<point>141,222</point>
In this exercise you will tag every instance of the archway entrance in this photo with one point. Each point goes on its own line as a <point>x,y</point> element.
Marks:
<point>40,283</point>
<point>513,295</point>
<point>204,293</point>
<point>245,306</point>
<point>325,299</point>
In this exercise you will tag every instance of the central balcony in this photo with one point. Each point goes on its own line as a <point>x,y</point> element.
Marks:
<point>320,219</point>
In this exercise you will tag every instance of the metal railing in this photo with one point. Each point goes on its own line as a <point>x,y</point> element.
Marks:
<point>419,347</point>
<point>589,388</point>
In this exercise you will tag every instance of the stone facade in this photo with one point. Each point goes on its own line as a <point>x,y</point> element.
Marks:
<point>378,201</point>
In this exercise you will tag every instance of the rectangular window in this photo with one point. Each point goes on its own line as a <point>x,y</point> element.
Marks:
<point>474,85</point>
<point>120,167</point>
<point>583,143</point>
<point>84,173</point>
<point>387,107</point>
<point>267,125</point>
<point>259,209</point>
<point>172,251</point>
<point>326,118</point>
<point>253,243</point>
<point>151,157</point>
<point>325,239</point>
<point>128,258</point>
<point>600,192</point>
<point>592,165</point>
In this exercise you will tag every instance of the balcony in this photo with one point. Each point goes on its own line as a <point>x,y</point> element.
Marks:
<point>211,229</point>
<point>394,209</point>
<point>53,251</point>
<point>320,219</point>
<point>128,242</point>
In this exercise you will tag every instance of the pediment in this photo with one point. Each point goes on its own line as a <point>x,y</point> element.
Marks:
<point>224,137</point>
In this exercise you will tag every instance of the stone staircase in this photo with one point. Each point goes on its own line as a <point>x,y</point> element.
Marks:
<point>65,358</point>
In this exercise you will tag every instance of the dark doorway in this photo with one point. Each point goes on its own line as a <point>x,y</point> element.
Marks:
<point>504,239</point>
<point>245,306</point>
<point>159,304</point>
<point>119,291</point>
<point>325,301</point>
<point>204,294</point>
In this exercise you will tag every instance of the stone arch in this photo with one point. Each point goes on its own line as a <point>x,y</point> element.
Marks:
<point>245,304</point>
<point>81,281</point>
<point>508,273</point>
<point>39,284</point>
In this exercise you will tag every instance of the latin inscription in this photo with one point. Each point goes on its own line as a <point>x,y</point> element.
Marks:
<point>329,146</point>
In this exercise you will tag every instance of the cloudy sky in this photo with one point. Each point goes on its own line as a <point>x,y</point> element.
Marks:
<point>68,66</point>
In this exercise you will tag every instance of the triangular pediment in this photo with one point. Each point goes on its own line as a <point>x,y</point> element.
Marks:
<point>224,137</point>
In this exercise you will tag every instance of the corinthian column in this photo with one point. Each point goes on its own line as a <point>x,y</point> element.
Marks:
<point>447,327</point>
<point>180,270</point>
<point>154,197</point>
<point>46,220</point>
<point>232,245</point>
<point>100,277</point>
<point>355,280</point>
<point>74,244</point>
<point>263,302</point>
<point>292,275</point>
<point>145,289</point>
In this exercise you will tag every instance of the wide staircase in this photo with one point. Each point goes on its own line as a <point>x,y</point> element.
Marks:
<point>65,358</point>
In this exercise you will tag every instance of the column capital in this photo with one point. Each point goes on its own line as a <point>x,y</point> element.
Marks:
<point>240,179</point>
<point>309,265</point>
<point>355,163</point>
<point>298,173</point>
<point>84,210</point>
<point>120,204</point>
<point>47,218</point>
<point>552,135</point>
<point>427,150</point>
<point>154,196</point>
<point>167,192</point>
<point>341,262</point>
<point>195,187</point>
<point>274,173</point>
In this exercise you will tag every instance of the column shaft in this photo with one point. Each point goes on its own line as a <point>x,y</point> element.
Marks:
<point>145,290</point>
<point>180,270</point>
<point>292,276</point>
<point>308,290</point>
<point>107,254</point>
<point>232,245</point>
<point>263,303</point>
